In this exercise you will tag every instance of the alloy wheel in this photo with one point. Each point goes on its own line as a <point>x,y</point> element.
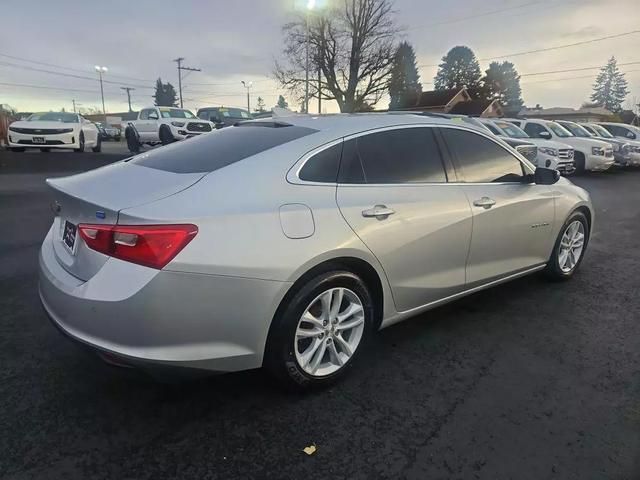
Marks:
<point>571,246</point>
<point>329,332</point>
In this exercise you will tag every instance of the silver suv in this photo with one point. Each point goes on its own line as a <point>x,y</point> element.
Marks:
<point>288,242</point>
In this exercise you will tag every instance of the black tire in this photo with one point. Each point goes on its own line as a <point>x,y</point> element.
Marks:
<point>579,161</point>
<point>280,358</point>
<point>80,149</point>
<point>45,150</point>
<point>132,142</point>
<point>17,149</point>
<point>553,270</point>
<point>166,137</point>
<point>98,147</point>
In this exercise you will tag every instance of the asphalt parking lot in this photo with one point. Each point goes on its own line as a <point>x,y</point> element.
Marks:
<point>530,380</point>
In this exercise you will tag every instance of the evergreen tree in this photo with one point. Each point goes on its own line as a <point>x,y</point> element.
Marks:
<point>165,95</point>
<point>502,82</point>
<point>260,107</point>
<point>610,88</point>
<point>404,85</point>
<point>282,103</point>
<point>459,68</point>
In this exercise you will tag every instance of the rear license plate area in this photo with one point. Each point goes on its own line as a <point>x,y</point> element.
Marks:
<point>69,236</point>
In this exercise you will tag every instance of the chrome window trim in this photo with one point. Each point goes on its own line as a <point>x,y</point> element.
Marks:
<point>293,174</point>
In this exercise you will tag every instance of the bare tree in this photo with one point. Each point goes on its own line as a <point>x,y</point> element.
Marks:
<point>352,45</point>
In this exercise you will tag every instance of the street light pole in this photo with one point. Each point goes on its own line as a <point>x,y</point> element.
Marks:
<point>248,85</point>
<point>100,71</point>
<point>310,6</point>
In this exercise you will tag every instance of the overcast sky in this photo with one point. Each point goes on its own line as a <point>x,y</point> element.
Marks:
<point>239,40</point>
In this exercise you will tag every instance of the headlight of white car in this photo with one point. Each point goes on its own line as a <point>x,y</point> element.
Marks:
<point>548,151</point>
<point>177,124</point>
<point>598,151</point>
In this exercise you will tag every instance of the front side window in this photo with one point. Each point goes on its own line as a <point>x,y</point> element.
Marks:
<point>493,129</point>
<point>534,130</point>
<point>407,155</point>
<point>601,131</point>
<point>480,159</point>
<point>576,129</point>
<point>559,130</point>
<point>511,130</point>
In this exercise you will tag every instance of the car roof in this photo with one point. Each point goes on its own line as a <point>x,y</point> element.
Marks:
<point>349,123</point>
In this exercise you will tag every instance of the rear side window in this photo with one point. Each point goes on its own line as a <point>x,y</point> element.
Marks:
<point>493,129</point>
<point>220,148</point>
<point>482,160</point>
<point>323,166</point>
<point>409,155</point>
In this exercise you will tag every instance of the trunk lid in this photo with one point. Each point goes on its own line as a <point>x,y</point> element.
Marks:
<point>97,197</point>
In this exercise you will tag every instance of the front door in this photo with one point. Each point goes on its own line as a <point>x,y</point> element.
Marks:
<point>512,218</point>
<point>394,194</point>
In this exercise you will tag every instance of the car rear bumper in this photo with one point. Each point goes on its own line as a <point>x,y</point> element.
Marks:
<point>148,318</point>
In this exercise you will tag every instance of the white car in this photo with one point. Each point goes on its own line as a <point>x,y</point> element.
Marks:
<point>623,131</point>
<point>556,155</point>
<point>589,154</point>
<point>49,130</point>
<point>625,152</point>
<point>164,125</point>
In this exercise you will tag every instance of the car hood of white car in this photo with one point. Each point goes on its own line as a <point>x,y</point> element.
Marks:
<point>43,124</point>
<point>579,142</point>
<point>541,142</point>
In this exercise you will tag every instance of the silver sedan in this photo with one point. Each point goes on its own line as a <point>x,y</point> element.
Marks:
<point>287,242</point>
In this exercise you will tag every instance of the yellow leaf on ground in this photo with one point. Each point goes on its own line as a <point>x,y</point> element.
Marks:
<point>310,450</point>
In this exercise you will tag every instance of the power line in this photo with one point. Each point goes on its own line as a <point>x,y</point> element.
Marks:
<point>63,74</point>
<point>568,78</point>
<point>47,88</point>
<point>477,15</point>
<point>67,68</point>
<point>574,70</point>
<point>557,47</point>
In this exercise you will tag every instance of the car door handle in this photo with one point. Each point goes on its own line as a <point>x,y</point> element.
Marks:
<point>379,211</point>
<point>485,202</point>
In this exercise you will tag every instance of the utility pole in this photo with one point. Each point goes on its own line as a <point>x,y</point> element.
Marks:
<point>248,86</point>
<point>319,89</point>
<point>75,105</point>
<point>100,71</point>
<point>180,68</point>
<point>128,90</point>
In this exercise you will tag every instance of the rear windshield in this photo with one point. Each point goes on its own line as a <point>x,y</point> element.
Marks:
<point>220,148</point>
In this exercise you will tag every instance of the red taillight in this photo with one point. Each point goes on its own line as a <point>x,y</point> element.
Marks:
<point>149,245</point>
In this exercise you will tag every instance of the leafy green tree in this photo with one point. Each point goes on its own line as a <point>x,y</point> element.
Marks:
<point>610,88</point>
<point>502,82</point>
<point>459,68</point>
<point>165,95</point>
<point>404,85</point>
<point>282,103</point>
<point>260,106</point>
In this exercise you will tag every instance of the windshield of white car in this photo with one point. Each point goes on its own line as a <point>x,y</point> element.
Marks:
<point>601,131</point>
<point>511,130</point>
<point>559,130</point>
<point>577,130</point>
<point>176,113</point>
<point>53,117</point>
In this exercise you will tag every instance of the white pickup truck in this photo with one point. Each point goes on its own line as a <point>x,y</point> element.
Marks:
<point>163,125</point>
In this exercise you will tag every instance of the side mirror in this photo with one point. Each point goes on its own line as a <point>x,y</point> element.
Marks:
<point>545,135</point>
<point>546,176</point>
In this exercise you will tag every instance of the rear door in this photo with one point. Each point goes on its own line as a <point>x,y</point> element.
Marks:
<point>512,218</point>
<point>393,192</point>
